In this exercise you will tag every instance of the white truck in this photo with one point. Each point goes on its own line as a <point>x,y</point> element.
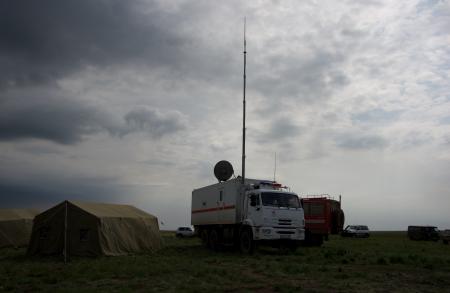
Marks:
<point>261,211</point>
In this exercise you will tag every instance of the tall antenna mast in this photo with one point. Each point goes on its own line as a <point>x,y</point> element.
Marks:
<point>275,167</point>
<point>243,104</point>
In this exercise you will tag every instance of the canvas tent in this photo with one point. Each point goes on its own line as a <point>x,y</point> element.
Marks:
<point>15,226</point>
<point>90,229</point>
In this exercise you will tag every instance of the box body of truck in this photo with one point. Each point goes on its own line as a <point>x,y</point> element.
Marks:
<point>221,211</point>
<point>323,216</point>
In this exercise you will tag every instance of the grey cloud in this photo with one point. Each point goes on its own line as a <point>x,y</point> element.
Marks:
<point>284,128</point>
<point>354,141</point>
<point>158,162</point>
<point>445,120</point>
<point>415,138</point>
<point>45,190</point>
<point>153,122</point>
<point>310,80</point>
<point>50,115</point>
<point>348,32</point>
<point>47,115</point>
<point>377,116</point>
<point>43,40</point>
<point>280,130</point>
<point>39,150</point>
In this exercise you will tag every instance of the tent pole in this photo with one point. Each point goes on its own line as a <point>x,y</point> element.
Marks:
<point>65,234</point>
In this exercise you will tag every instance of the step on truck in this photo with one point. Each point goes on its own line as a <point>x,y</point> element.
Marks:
<point>244,215</point>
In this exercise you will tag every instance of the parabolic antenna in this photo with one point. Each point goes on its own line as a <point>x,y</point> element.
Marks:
<point>223,170</point>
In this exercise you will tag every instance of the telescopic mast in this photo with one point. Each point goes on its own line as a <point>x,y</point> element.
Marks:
<point>243,108</point>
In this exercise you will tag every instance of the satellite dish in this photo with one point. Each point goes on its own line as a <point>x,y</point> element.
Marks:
<point>223,170</point>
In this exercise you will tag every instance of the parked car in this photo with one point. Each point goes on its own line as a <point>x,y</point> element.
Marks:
<point>445,236</point>
<point>184,232</point>
<point>356,231</point>
<point>423,233</point>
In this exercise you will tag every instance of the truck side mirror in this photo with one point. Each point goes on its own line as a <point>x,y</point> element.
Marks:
<point>254,200</point>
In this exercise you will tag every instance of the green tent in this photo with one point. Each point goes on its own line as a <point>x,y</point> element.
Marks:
<point>91,229</point>
<point>15,226</point>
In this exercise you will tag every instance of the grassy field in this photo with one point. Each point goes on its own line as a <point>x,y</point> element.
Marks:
<point>385,262</point>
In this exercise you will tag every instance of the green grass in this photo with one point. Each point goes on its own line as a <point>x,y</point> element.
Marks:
<point>385,262</point>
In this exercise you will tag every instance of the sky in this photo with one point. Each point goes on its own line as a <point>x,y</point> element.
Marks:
<point>135,101</point>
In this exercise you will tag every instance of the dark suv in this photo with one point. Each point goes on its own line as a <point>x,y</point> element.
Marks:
<point>423,233</point>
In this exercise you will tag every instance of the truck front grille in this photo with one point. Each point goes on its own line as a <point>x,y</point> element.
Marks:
<point>286,232</point>
<point>284,222</point>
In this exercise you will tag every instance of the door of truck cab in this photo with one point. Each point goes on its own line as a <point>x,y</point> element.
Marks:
<point>253,205</point>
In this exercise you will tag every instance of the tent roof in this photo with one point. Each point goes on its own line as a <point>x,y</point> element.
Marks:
<point>107,210</point>
<point>17,214</point>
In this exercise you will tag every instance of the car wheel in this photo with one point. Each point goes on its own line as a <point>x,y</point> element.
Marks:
<point>445,241</point>
<point>246,243</point>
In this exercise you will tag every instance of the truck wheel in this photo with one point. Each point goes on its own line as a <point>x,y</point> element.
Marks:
<point>246,243</point>
<point>318,241</point>
<point>205,238</point>
<point>214,240</point>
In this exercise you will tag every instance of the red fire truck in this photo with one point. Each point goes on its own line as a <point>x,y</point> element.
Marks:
<point>323,216</point>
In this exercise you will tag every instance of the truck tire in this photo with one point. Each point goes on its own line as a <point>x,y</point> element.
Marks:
<point>318,241</point>
<point>204,235</point>
<point>214,242</point>
<point>246,243</point>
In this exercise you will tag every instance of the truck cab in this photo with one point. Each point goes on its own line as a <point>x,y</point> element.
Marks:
<point>274,214</point>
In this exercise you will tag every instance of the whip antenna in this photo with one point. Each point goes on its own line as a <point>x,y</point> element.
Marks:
<point>275,167</point>
<point>243,104</point>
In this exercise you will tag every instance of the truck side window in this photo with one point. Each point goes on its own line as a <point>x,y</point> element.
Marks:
<point>254,200</point>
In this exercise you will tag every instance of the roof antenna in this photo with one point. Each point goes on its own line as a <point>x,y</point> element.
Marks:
<point>243,104</point>
<point>275,167</point>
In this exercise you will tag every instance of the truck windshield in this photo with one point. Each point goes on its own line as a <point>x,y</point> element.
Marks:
<point>280,200</point>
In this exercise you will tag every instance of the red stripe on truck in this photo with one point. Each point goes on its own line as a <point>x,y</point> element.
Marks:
<point>214,209</point>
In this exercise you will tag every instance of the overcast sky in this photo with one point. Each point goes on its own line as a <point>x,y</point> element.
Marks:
<point>135,101</point>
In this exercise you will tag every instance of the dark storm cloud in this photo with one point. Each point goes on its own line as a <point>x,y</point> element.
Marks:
<point>49,115</point>
<point>44,190</point>
<point>43,40</point>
